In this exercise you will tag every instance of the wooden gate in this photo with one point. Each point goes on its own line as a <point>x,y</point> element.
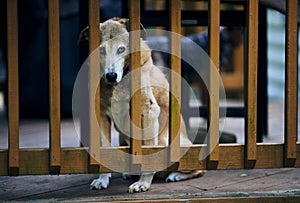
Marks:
<point>58,160</point>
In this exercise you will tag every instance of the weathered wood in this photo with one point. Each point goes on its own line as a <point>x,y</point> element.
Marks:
<point>74,160</point>
<point>35,162</point>
<point>175,83</point>
<point>213,187</point>
<point>251,100</point>
<point>297,163</point>
<point>135,62</point>
<point>54,85</point>
<point>291,82</point>
<point>94,91</point>
<point>214,54</point>
<point>248,200</point>
<point>4,163</point>
<point>13,87</point>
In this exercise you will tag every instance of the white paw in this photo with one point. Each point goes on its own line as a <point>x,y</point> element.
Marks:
<point>179,176</point>
<point>175,176</point>
<point>139,186</point>
<point>101,182</point>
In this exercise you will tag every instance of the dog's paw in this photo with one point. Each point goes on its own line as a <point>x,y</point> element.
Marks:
<point>101,182</point>
<point>139,186</point>
<point>179,176</point>
<point>174,177</point>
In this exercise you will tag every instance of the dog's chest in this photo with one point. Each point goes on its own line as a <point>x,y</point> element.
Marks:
<point>116,102</point>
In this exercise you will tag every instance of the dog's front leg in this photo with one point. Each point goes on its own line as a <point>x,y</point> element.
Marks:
<point>150,114</point>
<point>105,133</point>
<point>150,129</point>
<point>143,184</point>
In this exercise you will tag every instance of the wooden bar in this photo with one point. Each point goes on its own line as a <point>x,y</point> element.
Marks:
<point>214,54</point>
<point>13,87</point>
<point>94,91</point>
<point>175,83</point>
<point>135,60</point>
<point>75,160</point>
<point>251,99</point>
<point>291,82</point>
<point>54,85</point>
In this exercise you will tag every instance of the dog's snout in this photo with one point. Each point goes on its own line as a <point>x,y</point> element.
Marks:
<point>111,77</point>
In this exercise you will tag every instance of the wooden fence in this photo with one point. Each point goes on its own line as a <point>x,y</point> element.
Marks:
<point>55,160</point>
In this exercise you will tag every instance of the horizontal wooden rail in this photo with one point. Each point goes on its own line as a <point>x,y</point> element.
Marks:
<point>75,160</point>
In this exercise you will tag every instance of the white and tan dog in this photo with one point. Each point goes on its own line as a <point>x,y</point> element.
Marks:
<point>115,89</point>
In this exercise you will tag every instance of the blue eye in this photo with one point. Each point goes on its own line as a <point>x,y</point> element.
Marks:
<point>120,50</point>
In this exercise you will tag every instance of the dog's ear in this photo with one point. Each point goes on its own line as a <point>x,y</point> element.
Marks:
<point>122,21</point>
<point>84,35</point>
<point>125,23</point>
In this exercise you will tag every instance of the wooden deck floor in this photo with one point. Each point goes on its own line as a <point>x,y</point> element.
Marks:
<point>262,184</point>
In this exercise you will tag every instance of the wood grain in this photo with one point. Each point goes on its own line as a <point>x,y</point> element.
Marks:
<point>175,83</point>
<point>135,62</point>
<point>94,91</point>
<point>75,160</point>
<point>13,87</point>
<point>251,100</point>
<point>214,54</point>
<point>291,82</point>
<point>54,84</point>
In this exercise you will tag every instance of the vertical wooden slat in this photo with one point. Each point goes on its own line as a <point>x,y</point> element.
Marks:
<point>214,54</point>
<point>291,82</point>
<point>175,83</point>
<point>251,101</point>
<point>94,75</point>
<point>54,85</point>
<point>135,60</point>
<point>13,87</point>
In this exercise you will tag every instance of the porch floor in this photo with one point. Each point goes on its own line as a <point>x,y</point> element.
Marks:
<point>264,184</point>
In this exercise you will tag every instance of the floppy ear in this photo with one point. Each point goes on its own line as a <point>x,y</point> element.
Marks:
<point>84,35</point>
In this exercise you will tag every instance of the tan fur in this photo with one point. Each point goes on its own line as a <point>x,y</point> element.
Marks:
<point>154,100</point>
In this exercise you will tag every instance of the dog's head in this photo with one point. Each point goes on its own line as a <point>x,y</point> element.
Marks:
<point>114,49</point>
<point>114,45</point>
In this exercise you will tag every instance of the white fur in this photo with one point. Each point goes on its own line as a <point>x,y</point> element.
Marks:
<point>101,182</point>
<point>179,176</point>
<point>143,184</point>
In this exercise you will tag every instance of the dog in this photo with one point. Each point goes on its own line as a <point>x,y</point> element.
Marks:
<point>115,89</point>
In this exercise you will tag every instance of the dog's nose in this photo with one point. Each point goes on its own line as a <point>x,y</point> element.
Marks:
<point>111,76</point>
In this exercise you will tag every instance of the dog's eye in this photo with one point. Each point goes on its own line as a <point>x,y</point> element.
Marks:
<point>120,50</point>
<point>102,51</point>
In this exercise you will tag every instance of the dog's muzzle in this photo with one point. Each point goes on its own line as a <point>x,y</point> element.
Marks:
<point>111,77</point>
